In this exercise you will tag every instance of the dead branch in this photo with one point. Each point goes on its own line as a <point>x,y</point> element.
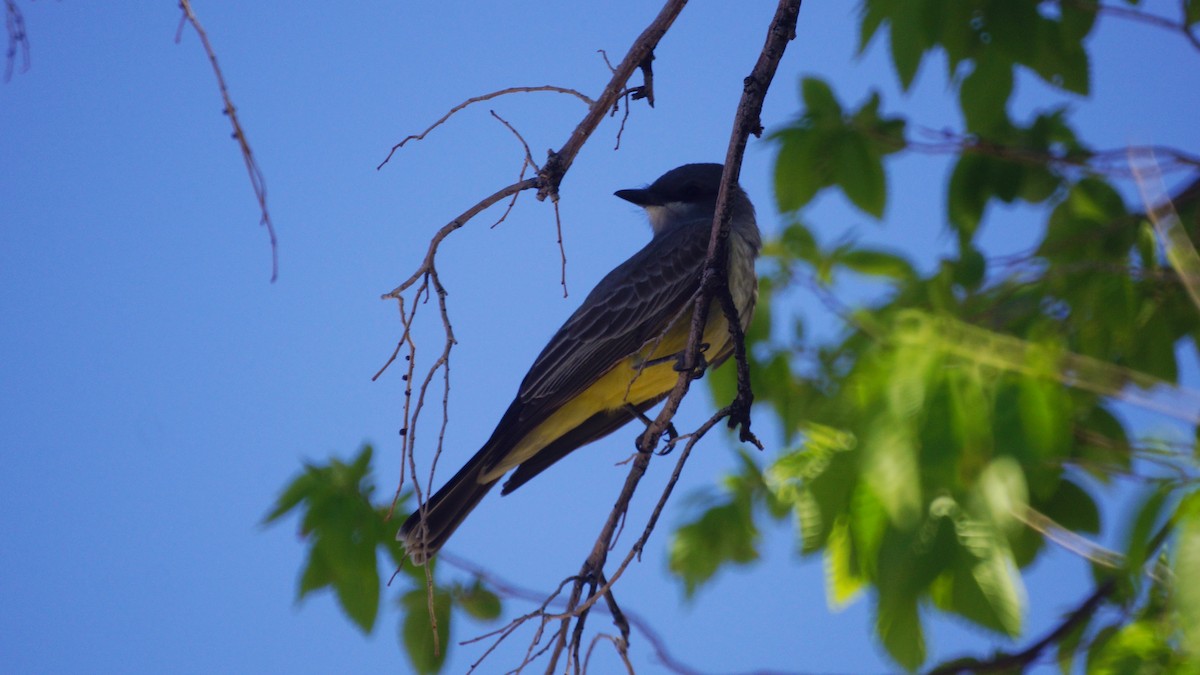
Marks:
<point>562,251</point>
<point>643,47</point>
<point>1112,162</point>
<point>257,181</point>
<point>478,99</point>
<point>18,39</point>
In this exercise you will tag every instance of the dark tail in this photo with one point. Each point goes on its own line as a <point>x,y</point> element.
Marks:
<point>428,528</point>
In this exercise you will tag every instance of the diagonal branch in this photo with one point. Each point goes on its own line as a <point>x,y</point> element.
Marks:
<point>746,121</point>
<point>257,181</point>
<point>18,39</point>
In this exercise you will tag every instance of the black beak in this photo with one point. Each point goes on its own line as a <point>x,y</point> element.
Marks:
<point>641,197</point>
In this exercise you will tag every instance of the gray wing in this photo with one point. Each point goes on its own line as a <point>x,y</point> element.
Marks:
<point>628,308</point>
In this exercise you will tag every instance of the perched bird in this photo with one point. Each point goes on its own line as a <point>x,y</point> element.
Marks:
<point>616,356</point>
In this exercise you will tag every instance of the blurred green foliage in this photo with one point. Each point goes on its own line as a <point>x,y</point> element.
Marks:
<point>346,533</point>
<point>941,442</point>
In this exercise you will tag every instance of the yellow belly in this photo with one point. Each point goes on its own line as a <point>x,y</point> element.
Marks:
<point>628,383</point>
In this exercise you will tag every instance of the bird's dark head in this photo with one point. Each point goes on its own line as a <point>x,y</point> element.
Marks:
<point>685,194</point>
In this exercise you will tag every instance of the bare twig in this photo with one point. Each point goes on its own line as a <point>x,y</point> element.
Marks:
<point>562,251</point>
<point>526,164</point>
<point>18,39</point>
<point>576,608</point>
<point>617,644</point>
<point>560,162</point>
<point>616,106</point>
<point>1113,162</point>
<point>257,181</point>
<point>479,99</point>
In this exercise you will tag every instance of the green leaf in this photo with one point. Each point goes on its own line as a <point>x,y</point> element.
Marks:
<point>426,652</point>
<point>819,101</point>
<point>860,174</point>
<point>873,14</point>
<point>899,627</point>
<point>1059,60</point>
<point>956,33</point>
<point>984,95</point>
<point>1045,414</point>
<point>868,524</point>
<point>479,602</point>
<point>1039,184</point>
<point>1081,225</point>
<point>316,575</point>
<point>1185,564</point>
<point>344,532</point>
<point>999,584</point>
<point>1010,27</point>
<point>297,491</point>
<point>798,241</point>
<point>1002,493</point>
<point>800,169</point>
<point>358,593</point>
<point>983,584</point>
<point>1154,348</point>
<point>1147,245</point>
<point>1191,11</point>
<point>1096,649</point>
<point>1134,648</point>
<point>1144,526</point>
<point>843,582</point>
<point>1073,508</point>
<point>877,263</point>
<point>723,533</point>
<point>971,268</point>
<point>892,469</point>
<point>884,134</point>
<point>968,193</point>
<point>1077,20</point>
<point>908,45</point>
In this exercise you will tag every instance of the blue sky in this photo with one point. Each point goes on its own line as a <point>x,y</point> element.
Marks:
<point>158,391</point>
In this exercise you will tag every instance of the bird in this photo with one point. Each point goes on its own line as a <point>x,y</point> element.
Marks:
<point>616,356</point>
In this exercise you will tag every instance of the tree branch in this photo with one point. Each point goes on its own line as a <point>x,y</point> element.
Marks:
<point>18,39</point>
<point>477,99</point>
<point>257,181</point>
<point>746,122</point>
<point>558,163</point>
